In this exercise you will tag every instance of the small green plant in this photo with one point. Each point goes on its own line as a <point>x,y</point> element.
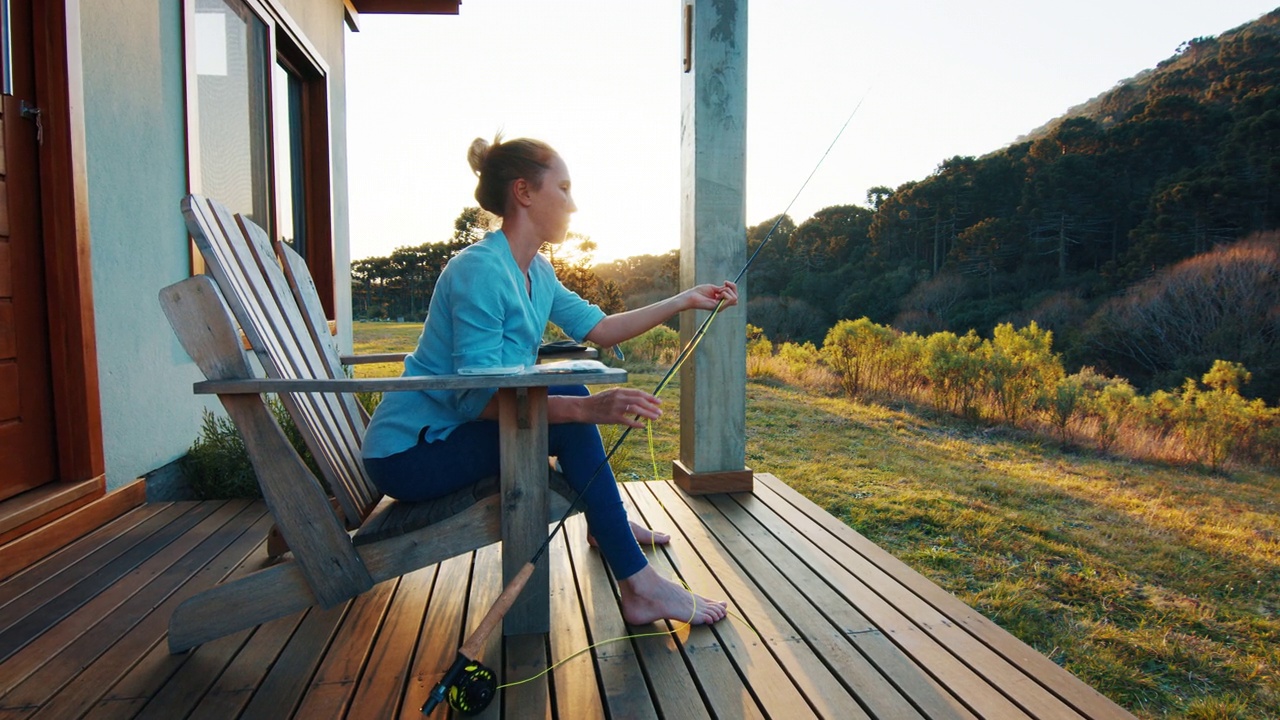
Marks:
<point>1061,404</point>
<point>217,465</point>
<point>653,348</point>
<point>759,352</point>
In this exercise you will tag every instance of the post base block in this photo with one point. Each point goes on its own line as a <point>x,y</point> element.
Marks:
<point>706,483</point>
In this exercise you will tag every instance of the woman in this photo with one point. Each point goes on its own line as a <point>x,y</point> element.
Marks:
<point>489,309</point>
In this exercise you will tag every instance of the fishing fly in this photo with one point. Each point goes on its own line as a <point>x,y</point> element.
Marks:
<point>468,685</point>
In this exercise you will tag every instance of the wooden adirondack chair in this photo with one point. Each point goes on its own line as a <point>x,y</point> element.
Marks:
<point>273,301</point>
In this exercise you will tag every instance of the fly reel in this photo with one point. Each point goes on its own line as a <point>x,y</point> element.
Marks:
<point>473,692</point>
<point>469,687</point>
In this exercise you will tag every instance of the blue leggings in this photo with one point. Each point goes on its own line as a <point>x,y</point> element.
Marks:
<point>430,470</point>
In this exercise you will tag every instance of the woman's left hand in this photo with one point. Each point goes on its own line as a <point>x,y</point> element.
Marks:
<point>621,406</point>
<point>706,297</point>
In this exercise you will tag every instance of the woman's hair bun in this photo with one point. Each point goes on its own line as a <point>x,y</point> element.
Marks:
<point>477,153</point>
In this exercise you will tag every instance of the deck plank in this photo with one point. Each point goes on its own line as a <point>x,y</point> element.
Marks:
<point>765,633</point>
<point>739,677</point>
<point>574,676</point>
<point>288,678</point>
<point>778,542</point>
<point>617,670</point>
<point>486,585</point>
<point>777,573</point>
<point>708,668</point>
<point>95,661</point>
<point>68,589</point>
<point>240,679</point>
<point>158,680</point>
<point>198,669</point>
<point>34,575</point>
<point>880,597</point>
<point>133,691</point>
<point>333,686</point>
<point>441,634</point>
<point>382,686</point>
<point>60,655</point>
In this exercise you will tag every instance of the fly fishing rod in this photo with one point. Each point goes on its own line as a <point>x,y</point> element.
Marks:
<point>468,685</point>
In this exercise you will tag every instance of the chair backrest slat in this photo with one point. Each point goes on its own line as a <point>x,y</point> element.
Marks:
<point>240,257</point>
<point>323,417</point>
<point>350,420</point>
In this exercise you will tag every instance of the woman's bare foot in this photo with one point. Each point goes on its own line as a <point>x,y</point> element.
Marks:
<point>648,597</point>
<point>644,536</point>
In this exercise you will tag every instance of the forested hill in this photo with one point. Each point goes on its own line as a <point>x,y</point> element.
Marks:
<point>1075,227</point>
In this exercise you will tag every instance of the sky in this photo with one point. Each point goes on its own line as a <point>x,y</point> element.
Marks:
<point>600,81</point>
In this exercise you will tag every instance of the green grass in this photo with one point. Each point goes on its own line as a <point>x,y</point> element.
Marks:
<point>373,338</point>
<point>1157,585</point>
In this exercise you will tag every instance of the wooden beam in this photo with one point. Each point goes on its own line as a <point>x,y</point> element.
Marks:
<point>407,7</point>
<point>64,197</point>
<point>713,242</point>
<point>351,15</point>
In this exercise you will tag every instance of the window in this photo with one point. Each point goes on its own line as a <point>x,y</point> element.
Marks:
<point>257,125</point>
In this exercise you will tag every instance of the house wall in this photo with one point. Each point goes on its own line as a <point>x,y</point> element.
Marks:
<point>136,145</point>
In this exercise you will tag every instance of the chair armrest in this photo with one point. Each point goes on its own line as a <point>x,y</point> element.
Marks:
<point>373,358</point>
<point>255,386</point>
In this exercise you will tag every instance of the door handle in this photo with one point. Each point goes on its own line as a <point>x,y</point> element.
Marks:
<point>32,113</point>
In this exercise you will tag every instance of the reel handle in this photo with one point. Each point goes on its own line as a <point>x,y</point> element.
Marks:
<point>475,642</point>
<point>450,678</point>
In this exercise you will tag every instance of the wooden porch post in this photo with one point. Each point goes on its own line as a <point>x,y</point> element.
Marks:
<point>713,244</point>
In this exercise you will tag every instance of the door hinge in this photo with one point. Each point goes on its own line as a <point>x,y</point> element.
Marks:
<point>32,113</point>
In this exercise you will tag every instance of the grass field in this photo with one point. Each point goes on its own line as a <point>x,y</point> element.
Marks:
<point>1158,585</point>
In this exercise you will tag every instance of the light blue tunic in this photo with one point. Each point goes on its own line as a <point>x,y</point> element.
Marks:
<point>480,316</point>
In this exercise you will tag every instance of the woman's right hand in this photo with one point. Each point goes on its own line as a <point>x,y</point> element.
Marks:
<point>621,406</point>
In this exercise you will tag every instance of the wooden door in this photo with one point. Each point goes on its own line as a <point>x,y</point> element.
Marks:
<point>28,448</point>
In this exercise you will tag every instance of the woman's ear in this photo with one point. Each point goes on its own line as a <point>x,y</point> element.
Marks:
<point>522,191</point>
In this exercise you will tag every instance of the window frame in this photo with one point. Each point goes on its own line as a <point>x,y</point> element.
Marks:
<point>286,46</point>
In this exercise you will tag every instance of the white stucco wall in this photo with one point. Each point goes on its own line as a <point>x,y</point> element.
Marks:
<point>136,138</point>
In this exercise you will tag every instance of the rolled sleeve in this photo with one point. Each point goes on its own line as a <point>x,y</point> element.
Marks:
<point>575,316</point>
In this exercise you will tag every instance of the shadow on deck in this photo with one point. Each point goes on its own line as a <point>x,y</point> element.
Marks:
<point>825,624</point>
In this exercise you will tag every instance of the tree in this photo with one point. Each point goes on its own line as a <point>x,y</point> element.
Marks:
<point>572,262</point>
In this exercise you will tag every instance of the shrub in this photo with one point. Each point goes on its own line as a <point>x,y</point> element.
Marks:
<point>1215,419</point>
<point>1062,402</point>
<point>658,346</point>
<point>1109,401</point>
<point>857,350</point>
<point>954,366</point>
<point>217,464</point>
<point>759,352</point>
<point>1176,323</point>
<point>904,360</point>
<point>798,358</point>
<point>1021,369</point>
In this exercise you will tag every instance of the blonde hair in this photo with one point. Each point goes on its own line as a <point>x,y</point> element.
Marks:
<point>498,164</point>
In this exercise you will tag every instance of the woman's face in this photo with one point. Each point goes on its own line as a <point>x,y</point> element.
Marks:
<point>553,202</point>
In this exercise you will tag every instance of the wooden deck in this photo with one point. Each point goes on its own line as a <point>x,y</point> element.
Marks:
<point>826,624</point>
